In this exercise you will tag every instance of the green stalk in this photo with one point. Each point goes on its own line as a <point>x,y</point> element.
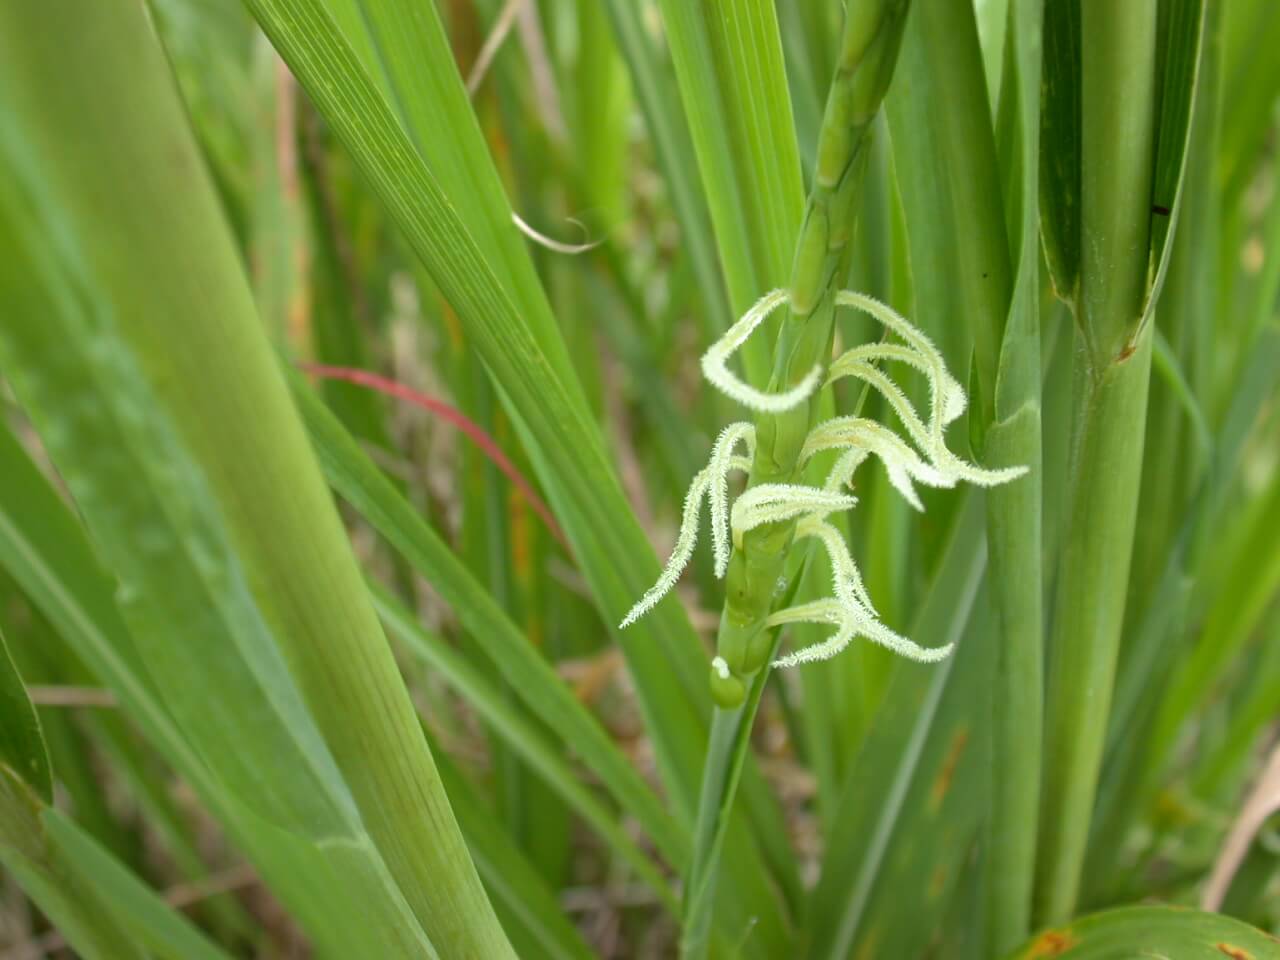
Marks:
<point>1015,511</point>
<point>1089,613</point>
<point>99,112</point>
<point>872,35</point>
<point>951,171</point>
<point>726,753</point>
<point>1118,74</point>
<point>1014,541</point>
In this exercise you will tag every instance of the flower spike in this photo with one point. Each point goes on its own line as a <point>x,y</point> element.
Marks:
<point>820,612</point>
<point>715,360</point>
<point>926,459</point>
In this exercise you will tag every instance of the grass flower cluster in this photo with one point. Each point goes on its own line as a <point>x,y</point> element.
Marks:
<point>849,609</point>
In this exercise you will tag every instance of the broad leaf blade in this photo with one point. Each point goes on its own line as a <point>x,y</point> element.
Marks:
<point>1151,932</point>
<point>420,79</point>
<point>259,756</point>
<point>227,488</point>
<point>584,491</point>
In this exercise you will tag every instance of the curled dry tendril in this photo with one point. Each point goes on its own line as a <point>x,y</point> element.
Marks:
<point>924,460</point>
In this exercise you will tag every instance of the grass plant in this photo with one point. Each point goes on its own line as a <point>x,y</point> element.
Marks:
<point>362,359</point>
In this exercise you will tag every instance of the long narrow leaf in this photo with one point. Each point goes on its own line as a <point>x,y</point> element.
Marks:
<point>365,487</point>
<point>611,549</point>
<point>212,506</point>
<point>905,743</point>
<point>537,750</point>
<point>102,908</point>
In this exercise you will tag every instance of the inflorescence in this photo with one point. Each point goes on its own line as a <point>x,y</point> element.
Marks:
<point>849,610</point>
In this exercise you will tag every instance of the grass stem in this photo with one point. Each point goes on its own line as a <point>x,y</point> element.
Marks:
<point>869,49</point>
<point>1117,116</point>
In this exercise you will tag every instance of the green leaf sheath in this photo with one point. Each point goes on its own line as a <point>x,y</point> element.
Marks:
<point>1017,700</point>
<point>1185,444</point>
<point>1117,114</point>
<point>180,305</point>
<point>869,50</point>
<point>1089,613</point>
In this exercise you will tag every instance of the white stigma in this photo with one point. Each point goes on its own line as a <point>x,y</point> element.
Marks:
<point>715,363</point>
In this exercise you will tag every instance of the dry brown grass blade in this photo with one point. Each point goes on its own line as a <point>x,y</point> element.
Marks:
<point>1263,800</point>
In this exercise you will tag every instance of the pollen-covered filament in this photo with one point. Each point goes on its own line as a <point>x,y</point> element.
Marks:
<point>928,462</point>
<point>711,483</point>
<point>715,363</point>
